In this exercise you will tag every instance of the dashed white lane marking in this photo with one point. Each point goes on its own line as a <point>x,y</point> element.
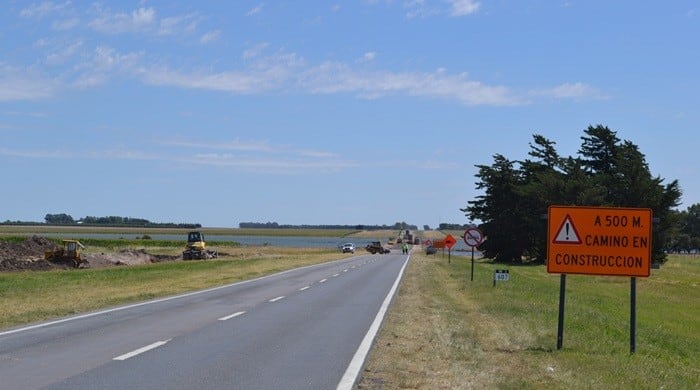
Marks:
<point>155,301</point>
<point>336,275</point>
<point>232,316</point>
<point>345,270</point>
<point>323,280</point>
<point>142,350</point>
<point>304,288</point>
<point>277,299</point>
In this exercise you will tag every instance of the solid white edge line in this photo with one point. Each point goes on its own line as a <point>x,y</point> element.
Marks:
<point>240,313</point>
<point>353,370</point>
<point>276,299</point>
<point>159,300</point>
<point>141,350</point>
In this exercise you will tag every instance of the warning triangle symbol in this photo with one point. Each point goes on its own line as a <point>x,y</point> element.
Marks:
<point>567,233</point>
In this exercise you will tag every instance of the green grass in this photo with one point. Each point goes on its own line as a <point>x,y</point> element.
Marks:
<point>476,335</point>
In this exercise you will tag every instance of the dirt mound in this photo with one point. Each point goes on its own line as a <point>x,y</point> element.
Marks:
<point>126,257</point>
<point>27,255</point>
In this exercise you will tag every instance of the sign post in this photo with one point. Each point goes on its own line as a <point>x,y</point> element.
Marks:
<point>473,237</point>
<point>500,275</point>
<point>449,243</point>
<point>599,241</point>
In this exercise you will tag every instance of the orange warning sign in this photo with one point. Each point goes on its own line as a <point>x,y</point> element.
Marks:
<point>450,241</point>
<point>599,241</point>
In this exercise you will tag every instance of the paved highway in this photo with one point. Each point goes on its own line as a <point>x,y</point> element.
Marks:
<point>308,328</point>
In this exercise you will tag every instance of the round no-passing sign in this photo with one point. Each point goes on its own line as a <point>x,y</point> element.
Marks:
<point>473,237</point>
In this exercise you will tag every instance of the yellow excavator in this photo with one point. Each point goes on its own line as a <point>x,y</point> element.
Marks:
<point>196,248</point>
<point>69,254</point>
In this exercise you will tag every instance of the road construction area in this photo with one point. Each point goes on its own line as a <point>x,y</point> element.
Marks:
<point>28,255</point>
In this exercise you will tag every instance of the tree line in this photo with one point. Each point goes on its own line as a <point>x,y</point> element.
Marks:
<point>275,225</point>
<point>607,172</point>
<point>113,221</point>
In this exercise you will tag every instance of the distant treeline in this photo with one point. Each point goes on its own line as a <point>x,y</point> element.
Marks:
<point>111,221</point>
<point>454,226</point>
<point>275,225</point>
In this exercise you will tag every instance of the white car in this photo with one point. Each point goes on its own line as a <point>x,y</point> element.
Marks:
<point>348,248</point>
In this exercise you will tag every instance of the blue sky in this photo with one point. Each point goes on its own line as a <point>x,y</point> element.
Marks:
<point>322,112</point>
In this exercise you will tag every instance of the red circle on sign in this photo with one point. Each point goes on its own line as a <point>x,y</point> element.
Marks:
<point>473,237</point>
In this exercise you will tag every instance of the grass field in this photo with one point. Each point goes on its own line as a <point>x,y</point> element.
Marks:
<point>445,331</point>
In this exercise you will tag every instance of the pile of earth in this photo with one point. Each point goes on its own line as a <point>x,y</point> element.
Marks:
<point>126,257</point>
<point>29,255</point>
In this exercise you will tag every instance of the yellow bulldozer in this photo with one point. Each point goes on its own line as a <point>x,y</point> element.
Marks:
<point>196,248</point>
<point>69,254</point>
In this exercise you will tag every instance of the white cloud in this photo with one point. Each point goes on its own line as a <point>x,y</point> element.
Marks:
<point>104,64</point>
<point>210,37</point>
<point>255,51</point>
<point>331,78</point>
<point>38,11</point>
<point>63,54</point>
<point>420,9</point>
<point>463,7</point>
<point>264,74</point>
<point>427,8</point>
<point>238,145</point>
<point>255,10</point>
<point>256,147</point>
<point>139,20</point>
<point>231,81</point>
<point>34,153</point>
<point>368,57</point>
<point>270,165</point>
<point>65,24</point>
<point>177,24</point>
<point>24,84</point>
<point>570,91</point>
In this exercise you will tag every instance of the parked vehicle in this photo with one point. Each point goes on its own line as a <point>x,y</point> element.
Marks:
<point>348,248</point>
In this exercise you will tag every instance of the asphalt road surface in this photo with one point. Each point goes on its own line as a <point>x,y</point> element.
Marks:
<point>308,328</point>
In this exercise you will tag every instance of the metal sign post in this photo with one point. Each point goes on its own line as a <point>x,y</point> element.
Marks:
<point>449,243</point>
<point>473,237</point>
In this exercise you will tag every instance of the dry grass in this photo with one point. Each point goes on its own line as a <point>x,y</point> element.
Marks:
<point>445,332</point>
<point>424,341</point>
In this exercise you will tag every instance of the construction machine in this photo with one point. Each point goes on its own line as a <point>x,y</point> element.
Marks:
<point>376,247</point>
<point>196,248</point>
<point>69,253</point>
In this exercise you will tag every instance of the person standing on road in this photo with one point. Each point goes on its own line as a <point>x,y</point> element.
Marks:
<point>405,248</point>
